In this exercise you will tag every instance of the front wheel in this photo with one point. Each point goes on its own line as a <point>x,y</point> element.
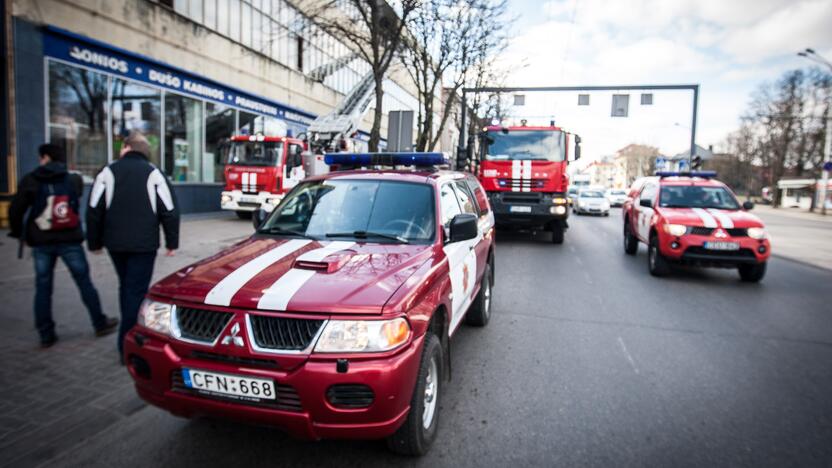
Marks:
<point>656,262</point>
<point>752,273</point>
<point>630,241</point>
<point>418,432</point>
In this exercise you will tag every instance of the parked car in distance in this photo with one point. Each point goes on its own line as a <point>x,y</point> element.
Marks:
<point>616,197</point>
<point>591,201</point>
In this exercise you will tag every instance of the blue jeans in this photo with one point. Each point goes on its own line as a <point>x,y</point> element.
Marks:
<point>134,269</point>
<point>76,261</point>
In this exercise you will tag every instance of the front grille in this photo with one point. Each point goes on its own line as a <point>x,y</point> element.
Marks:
<point>281,333</point>
<point>738,232</point>
<point>248,204</point>
<point>701,231</point>
<point>287,397</point>
<point>201,325</point>
<point>350,396</point>
<point>521,183</point>
<point>521,197</point>
<point>245,361</point>
<point>725,254</point>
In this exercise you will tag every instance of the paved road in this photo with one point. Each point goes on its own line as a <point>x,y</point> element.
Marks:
<point>588,361</point>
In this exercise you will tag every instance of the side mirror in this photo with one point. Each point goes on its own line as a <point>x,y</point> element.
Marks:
<point>463,227</point>
<point>258,217</point>
<point>577,147</point>
<point>645,203</point>
<point>748,205</point>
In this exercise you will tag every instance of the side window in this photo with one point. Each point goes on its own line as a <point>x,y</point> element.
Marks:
<point>466,199</point>
<point>293,158</point>
<point>479,195</point>
<point>449,204</point>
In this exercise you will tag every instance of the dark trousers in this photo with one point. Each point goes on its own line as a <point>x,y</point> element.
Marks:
<point>45,257</point>
<point>134,270</point>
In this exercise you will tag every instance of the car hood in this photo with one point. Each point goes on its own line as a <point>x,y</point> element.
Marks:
<point>710,217</point>
<point>297,275</point>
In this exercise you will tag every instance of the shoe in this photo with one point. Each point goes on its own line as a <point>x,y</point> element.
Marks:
<point>48,341</point>
<point>109,326</point>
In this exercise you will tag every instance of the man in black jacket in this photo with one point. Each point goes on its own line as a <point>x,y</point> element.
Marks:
<point>130,198</point>
<point>50,243</point>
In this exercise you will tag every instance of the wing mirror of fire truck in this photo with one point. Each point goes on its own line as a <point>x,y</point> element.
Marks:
<point>464,227</point>
<point>577,147</point>
<point>258,217</point>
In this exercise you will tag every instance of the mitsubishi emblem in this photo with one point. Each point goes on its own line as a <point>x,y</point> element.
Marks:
<point>720,234</point>
<point>233,337</point>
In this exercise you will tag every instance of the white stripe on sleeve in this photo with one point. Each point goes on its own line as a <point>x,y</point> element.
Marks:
<point>103,186</point>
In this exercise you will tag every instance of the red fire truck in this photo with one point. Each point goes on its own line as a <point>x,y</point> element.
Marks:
<point>260,170</point>
<point>523,170</point>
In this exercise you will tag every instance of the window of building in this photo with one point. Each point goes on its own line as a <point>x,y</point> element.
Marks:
<point>234,19</point>
<point>583,99</point>
<point>246,124</point>
<point>620,105</point>
<point>647,99</point>
<point>246,25</point>
<point>144,116</point>
<point>78,117</point>
<point>183,140</point>
<point>195,10</point>
<point>220,122</point>
<point>210,13</point>
<point>222,17</point>
<point>519,99</point>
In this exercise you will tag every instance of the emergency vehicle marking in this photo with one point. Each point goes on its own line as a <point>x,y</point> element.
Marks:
<point>223,291</point>
<point>278,295</point>
<point>526,175</point>
<point>516,171</point>
<point>249,182</point>
<point>708,220</point>
<point>723,218</point>
<point>461,256</point>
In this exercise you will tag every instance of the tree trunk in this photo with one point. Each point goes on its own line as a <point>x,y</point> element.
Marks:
<point>378,114</point>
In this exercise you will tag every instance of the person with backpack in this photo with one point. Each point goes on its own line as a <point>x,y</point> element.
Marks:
<point>130,198</point>
<point>50,195</point>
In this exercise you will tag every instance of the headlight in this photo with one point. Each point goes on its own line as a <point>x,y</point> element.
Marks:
<point>155,316</point>
<point>675,229</point>
<point>362,336</point>
<point>757,233</point>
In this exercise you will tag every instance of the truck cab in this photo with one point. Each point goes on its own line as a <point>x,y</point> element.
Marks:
<point>259,171</point>
<point>523,170</point>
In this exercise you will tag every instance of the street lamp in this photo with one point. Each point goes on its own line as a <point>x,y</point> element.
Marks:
<point>810,54</point>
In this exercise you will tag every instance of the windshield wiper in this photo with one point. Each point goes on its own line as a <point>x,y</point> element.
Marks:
<point>366,234</point>
<point>280,230</point>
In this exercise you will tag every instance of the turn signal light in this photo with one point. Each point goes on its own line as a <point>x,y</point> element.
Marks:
<point>396,332</point>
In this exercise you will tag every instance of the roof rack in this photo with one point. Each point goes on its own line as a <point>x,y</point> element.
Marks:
<point>356,160</point>
<point>700,174</point>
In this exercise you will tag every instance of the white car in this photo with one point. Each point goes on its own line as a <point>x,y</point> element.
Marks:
<point>616,197</point>
<point>591,201</point>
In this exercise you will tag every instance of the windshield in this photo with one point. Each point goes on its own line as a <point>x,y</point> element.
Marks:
<point>361,209</point>
<point>591,194</point>
<point>255,153</point>
<point>691,196</point>
<point>524,144</point>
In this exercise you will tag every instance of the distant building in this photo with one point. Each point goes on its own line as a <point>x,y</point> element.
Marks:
<point>602,172</point>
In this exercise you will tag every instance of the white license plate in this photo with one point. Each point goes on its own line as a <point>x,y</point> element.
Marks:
<point>722,245</point>
<point>248,199</point>
<point>520,209</point>
<point>227,384</point>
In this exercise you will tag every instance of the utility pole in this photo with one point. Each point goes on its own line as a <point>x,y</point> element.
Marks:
<point>827,146</point>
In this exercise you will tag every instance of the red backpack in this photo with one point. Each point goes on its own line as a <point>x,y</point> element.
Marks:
<point>56,206</point>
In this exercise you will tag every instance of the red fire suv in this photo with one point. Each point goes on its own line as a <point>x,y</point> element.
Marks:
<point>333,319</point>
<point>691,218</point>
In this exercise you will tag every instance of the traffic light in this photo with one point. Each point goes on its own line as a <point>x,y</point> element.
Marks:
<point>695,162</point>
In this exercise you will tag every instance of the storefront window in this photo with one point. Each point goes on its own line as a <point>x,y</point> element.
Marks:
<point>183,139</point>
<point>136,107</point>
<point>219,127</point>
<point>78,116</point>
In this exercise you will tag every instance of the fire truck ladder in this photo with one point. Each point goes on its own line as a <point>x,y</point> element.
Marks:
<point>326,130</point>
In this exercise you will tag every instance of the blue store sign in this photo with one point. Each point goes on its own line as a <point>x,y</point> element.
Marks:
<point>73,48</point>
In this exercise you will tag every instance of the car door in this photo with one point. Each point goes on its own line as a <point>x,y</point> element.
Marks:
<point>462,258</point>
<point>477,203</point>
<point>293,171</point>
<point>644,214</point>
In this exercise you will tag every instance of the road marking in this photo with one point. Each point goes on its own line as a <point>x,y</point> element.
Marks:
<point>627,353</point>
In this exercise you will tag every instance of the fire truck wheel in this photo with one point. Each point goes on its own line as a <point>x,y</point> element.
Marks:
<point>630,241</point>
<point>557,234</point>
<point>752,273</point>
<point>656,262</point>
<point>418,432</point>
<point>480,311</point>
<point>244,214</point>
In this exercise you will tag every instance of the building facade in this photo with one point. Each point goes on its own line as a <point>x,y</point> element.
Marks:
<point>187,73</point>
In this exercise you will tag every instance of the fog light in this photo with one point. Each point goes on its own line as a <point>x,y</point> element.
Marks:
<point>558,210</point>
<point>761,249</point>
<point>139,366</point>
<point>559,201</point>
<point>225,199</point>
<point>674,245</point>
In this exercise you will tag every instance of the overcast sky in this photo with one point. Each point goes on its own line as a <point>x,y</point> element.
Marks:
<point>726,46</point>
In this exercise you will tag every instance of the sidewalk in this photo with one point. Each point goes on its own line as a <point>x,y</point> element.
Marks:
<point>799,235</point>
<point>53,399</point>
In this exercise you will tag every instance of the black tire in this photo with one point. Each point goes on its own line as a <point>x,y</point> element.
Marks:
<point>244,214</point>
<point>480,312</point>
<point>656,263</point>
<point>752,273</point>
<point>413,438</point>
<point>630,241</point>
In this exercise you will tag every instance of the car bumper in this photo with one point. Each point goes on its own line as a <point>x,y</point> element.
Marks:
<point>593,209</point>
<point>527,208</point>
<point>689,249</point>
<point>236,200</point>
<point>309,416</point>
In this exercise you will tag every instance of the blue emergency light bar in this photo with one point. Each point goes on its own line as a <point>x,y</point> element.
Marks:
<point>385,159</point>
<point>702,174</point>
